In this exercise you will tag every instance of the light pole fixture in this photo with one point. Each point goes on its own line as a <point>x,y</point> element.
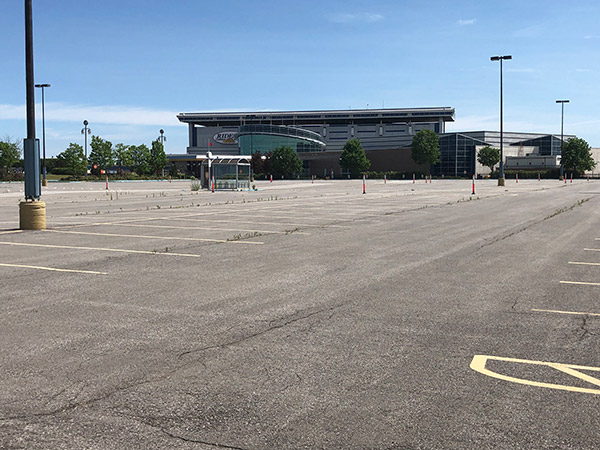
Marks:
<point>44,182</point>
<point>162,140</point>
<point>562,118</point>
<point>162,137</point>
<point>501,169</point>
<point>85,131</point>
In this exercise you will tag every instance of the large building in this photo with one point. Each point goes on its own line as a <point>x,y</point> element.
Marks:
<point>385,134</point>
<point>317,136</point>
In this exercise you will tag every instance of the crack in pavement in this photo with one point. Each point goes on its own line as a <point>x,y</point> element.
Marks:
<point>196,441</point>
<point>260,333</point>
<point>71,406</point>
<point>533,223</point>
<point>583,328</point>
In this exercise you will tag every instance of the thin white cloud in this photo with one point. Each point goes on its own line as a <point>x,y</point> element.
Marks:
<point>525,70</point>
<point>355,18</point>
<point>532,31</point>
<point>463,22</point>
<point>126,115</point>
<point>592,36</point>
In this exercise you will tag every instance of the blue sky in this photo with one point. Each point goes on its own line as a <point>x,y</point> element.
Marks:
<point>130,66</point>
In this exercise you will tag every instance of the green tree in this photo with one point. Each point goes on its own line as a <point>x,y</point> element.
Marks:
<point>140,156</point>
<point>576,156</point>
<point>354,158</point>
<point>261,166</point>
<point>426,147</point>
<point>489,157</point>
<point>73,158</point>
<point>122,154</point>
<point>158,159</point>
<point>10,153</point>
<point>285,162</point>
<point>102,153</point>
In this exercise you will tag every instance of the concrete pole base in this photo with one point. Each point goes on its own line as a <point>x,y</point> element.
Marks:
<point>44,182</point>
<point>500,181</point>
<point>32,215</point>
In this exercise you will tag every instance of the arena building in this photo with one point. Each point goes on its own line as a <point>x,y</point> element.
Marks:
<point>317,136</point>
<point>385,134</point>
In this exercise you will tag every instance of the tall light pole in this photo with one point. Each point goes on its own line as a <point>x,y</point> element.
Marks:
<point>501,170</point>
<point>562,119</point>
<point>85,131</point>
<point>32,212</point>
<point>44,182</point>
<point>162,140</point>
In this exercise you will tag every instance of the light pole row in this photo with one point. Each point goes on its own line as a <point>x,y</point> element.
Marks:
<point>562,142</point>
<point>562,102</point>
<point>501,170</point>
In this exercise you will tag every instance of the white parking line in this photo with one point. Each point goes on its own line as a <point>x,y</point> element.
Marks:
<point>565,312</point>
<point>54,269</point>
<point>580,282</point>
<point>119,224</point>
<point>118,250</point>
<point>222,241</point>
<point>584,263</point>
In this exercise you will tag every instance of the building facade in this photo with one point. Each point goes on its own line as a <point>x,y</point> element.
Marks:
<point>385,134</point>
<point>317,136</point>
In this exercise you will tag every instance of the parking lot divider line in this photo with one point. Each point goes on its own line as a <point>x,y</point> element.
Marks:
<point>580,282</point>
<point>11,231</point>
<point>584,263</point>
<point>118,250</point>
<point>565,312</point>
<point>166,238</point>
<point>120,224</point>
<point>54,269</point>
<point>592,249</point>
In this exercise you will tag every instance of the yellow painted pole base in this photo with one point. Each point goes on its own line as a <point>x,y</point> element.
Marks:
<point>32,215</point>
<point>44,182</point>
<point>500,181</point>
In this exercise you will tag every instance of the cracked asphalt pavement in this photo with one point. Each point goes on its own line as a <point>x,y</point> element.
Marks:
<point>301,316</point>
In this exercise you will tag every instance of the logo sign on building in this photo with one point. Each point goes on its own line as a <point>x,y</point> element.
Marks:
<point>225,137</point>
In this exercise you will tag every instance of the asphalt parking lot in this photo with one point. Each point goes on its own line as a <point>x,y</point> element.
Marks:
<point>302,315</point>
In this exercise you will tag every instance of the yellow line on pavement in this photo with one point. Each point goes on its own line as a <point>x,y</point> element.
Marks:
<point>580,282</point>
<point>119,250</point>
<point>565,312</point>
<point>584,263</point>
<point>479,361</point>
<point>53,269</point>
<point>222,241</point>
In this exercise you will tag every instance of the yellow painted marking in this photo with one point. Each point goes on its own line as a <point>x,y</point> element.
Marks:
<point>580,282</point>
<point>119,250</point>
<point>584,263</point>
<point>53,269</point>
<point>119,224</point>
<point>479,361</point>
<point>222,241</point>
<point>11,231</point>
<point>565,312</point>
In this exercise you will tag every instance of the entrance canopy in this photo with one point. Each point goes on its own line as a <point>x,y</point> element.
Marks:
<point>229,171</point>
